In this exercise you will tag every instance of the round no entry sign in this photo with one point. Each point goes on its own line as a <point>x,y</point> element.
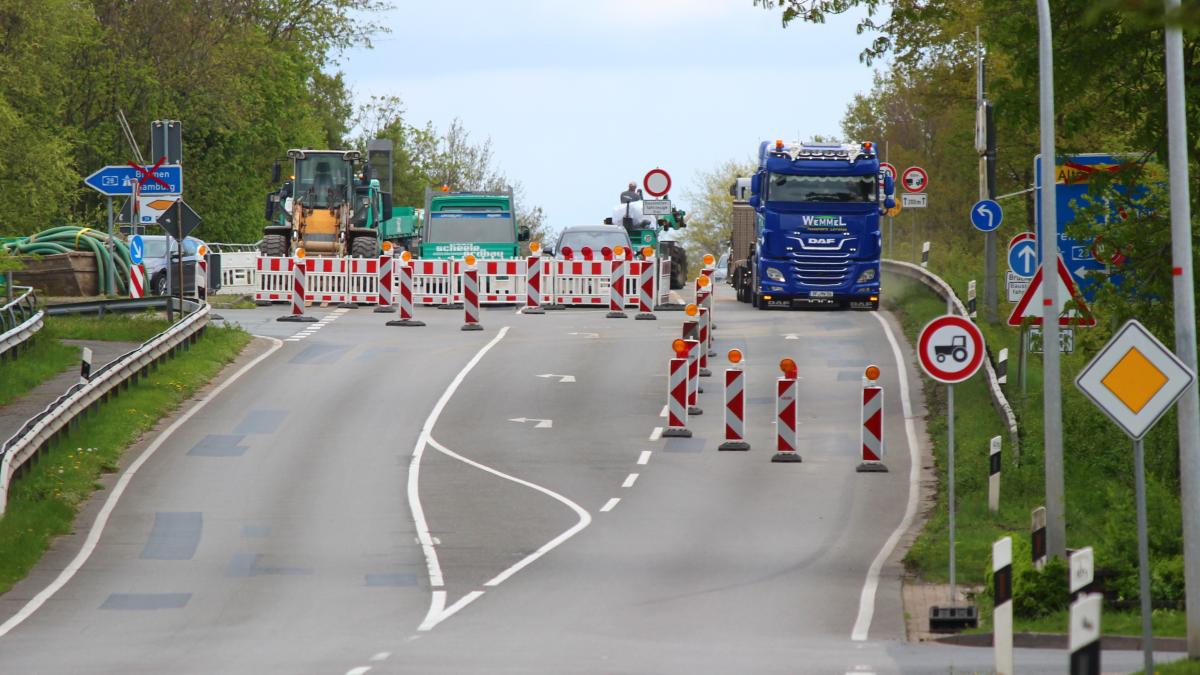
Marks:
<point>657,182</point>
<point>950,348</point>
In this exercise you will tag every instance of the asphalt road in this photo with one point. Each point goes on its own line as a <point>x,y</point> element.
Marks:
<point>426,500</point>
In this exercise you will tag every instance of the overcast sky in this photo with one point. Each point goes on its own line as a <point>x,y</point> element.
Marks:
<point>581,96</point>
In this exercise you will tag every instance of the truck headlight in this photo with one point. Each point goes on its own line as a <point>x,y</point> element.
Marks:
<point>774,274</point>
<point>866,276</point>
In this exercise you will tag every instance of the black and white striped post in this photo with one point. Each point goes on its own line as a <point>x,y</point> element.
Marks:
<point>925,254</point>
<point>971,299</point>
<point>1082,570</point>
<point>994,475</point>
<point>1002,619</point>
<point>1038,537</point>
<point>85,366</point>
<point>1002,367</point>
<point>1085,635</point>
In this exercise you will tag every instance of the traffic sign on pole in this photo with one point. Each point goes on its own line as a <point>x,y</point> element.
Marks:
<point>950,348</point>
<point>657,182</point>
<point>137,248</point>
<point>179,220</point>
<point>986,215</point>
<point>119,181</point>
<point>1022,254</point>
<point>1031,303</point>
<point>915,179</point>
<point>888,170</point>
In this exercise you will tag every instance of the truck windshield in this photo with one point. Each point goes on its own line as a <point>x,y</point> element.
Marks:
<point>321,180</point>
<point>480,228</point>
<point>786,188</point>
<point>593,238</point>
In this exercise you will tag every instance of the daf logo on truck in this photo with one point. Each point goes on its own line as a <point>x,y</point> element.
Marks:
<point>822,242</point>
<point>823,221</point>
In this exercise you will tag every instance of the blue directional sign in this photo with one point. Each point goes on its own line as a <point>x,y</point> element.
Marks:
<point>1071,178</point>
<point>137,248</point>
<point>986,215</point>
<point>1022,255</point>
<point>116,181</point>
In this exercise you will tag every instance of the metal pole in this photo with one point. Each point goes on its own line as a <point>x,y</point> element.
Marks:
<point>1056,529</point>
<point>8,285</point>
<point>1024,363</point>
<point>1185,328</point>
<point>916,258</point>
<point>950,484</point>
<point>1139,479</point>
<point>989,238</point>
<point>111,265</point>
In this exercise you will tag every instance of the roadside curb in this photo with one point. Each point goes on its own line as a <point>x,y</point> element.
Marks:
<point>1059,641</point>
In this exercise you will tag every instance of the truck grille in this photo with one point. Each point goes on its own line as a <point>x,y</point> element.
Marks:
<point>822,266</point>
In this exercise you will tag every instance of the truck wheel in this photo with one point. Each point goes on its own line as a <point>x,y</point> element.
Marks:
<point>363,247</point>
<point>275,245</point>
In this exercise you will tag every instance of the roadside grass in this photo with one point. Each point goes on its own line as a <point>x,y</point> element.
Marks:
<point>231,302</point>
<point>1183,667</point>
<point>42,503</point>
<point>111,328</point>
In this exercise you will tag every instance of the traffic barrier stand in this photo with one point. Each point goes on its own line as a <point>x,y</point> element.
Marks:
<point>533,281</point>
<point>405,273</point>
<point>470,295</point>
<point>202,271</point>
<point>137,281</point>
<point>678,389</point>
<point>386,262</point>
<point>1002,621</point>
<point>436,282</point>
<point>502,282</point>
<point>693,356</point>
<point>735,404</point>
<point>662,288</point>
<point>704,338</point>
<point>616,288</point>
<point>582,283</point>
<point>299,282</point>
<point>274,279</point>
<point>346,302</point>
<point>871,430</point>
<point>645,286</point>
<point>691,331</point>
<point>785,414</point>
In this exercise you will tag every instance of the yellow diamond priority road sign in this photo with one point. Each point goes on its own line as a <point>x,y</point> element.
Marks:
<point>1134,379</point>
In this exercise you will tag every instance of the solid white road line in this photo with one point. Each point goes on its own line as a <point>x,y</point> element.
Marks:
<point>664,412</point>
<point>381,656</point>
<point>630,480</point>
<point>414,472</point>
<point>608,506</point>
<point>866,602</point>
<point>585,518</point>
<point>644,458</point>
<point>359,670</point>
<point>93,537</point>
<point>656,434</point>
<point>438,612</point>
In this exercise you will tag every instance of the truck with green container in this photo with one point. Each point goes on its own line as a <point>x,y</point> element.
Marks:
<point>482,224</point>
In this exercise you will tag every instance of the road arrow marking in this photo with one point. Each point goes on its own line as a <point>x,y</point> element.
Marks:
<point>586,335</point>
<point>791,336</point>
<point>541,424</point>
<point>561,378</point>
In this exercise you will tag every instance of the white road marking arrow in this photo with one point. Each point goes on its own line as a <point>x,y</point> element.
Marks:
<point>586,335</point>
<point>541,424</point>
<point>561,378</point>
<point>791,336</point>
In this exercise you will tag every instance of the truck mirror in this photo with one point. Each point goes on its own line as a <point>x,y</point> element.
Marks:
<point>753,201</point>
<point>275,173</point>
<point>756,184</point>
<point>523,233</point>
<point>889,185</point>
<point>387,205</point>
<point>889,203</point>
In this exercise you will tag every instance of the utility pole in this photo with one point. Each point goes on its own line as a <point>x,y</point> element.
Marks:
<point>985,144</point>
<point>1188,412</point>
<point>1056,528</point>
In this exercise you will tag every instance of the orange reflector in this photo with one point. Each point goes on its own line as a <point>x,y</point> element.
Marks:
<point>445,188</point>
<point>691,310</point>
<point>872,372</point>
<point>702,281</point>
<point>709,260</point>
<point>735,356</point>
<point>202,250</point>
<point>680,347</point>
<point>405,256</point>
<point>535,247</point>
<point>387,247</point>
<point>788,367</point>
<point>647,252</point>
<point>470,260</point>
<point>619,251</point>
<point>300,252</point>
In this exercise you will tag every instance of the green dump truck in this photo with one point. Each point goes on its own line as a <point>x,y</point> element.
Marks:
<point>483,224</point>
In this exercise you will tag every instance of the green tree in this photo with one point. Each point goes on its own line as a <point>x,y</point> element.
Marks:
<point>710,216</point>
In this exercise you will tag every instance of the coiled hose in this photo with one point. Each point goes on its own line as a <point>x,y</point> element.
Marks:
<point>67,238</point>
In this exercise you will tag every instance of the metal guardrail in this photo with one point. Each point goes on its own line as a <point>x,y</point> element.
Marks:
<point>44,427</point>
<point>19,320</point>
<point>223,247</point>
<point>946,292</point>
<point>121,305</point>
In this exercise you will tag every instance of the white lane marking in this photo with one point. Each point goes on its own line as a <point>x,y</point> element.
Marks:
<point>630,480</point>
<point>656,434</point>
<point>381,656</point>
<point>359,670</point>
<point>93,537</point>
<point>608,506</point>
<point>664,412</point>
<point>644,458</point>
<point>414,471</point>
<point>866,603</point>
<point>438,612</point>
<point>291,339</point>
<point>585,518</point>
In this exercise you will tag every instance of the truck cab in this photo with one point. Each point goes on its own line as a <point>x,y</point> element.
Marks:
<point>482,224</point>
<point>817,209</point>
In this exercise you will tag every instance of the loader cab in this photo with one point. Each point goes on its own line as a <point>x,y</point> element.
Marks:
<point>324,178</point>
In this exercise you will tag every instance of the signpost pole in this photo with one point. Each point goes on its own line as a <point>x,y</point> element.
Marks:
<point>1056,530</point>
<point>1139,479</point>
<point>950,484</point>
<point>111,270</point>
<point>179,242</point>
<point>1185,326</point>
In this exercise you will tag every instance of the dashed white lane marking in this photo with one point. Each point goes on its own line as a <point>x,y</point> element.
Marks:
<point>94,534</point>
<point>292,339</point>
<point>358,671</point>
<point>381,656</point>
<point>644,458</point>
<point>608,506</point>
<point>630,480</point>
<point>656,434</point>
<point>866,602</point>
<point>664,412</point>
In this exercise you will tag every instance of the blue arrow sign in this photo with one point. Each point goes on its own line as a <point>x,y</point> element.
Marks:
<point>986,215</point>
<point>1022,258</point>
<point>115,181</point>
<point>136,249</point>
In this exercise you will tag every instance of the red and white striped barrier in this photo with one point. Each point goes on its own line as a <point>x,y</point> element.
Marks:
<point>137,281</point>
<point>616,290</point>
<point>502,281</point>
<point>643,271</point>
<point>735,405</point>
<point>871,429</point>
<point>470,295</point>
<point>202,271</point>
<point>386,262</point>
<point>677,396</point>
<point>582,283</point>
<point>437,282</point>
<point>785,414</point>
<point>404,274</point>
<point>533,283</point>
<point>299,290</point>
<point>693,357</point>
<point>341,280</point>
<point>705,330</point>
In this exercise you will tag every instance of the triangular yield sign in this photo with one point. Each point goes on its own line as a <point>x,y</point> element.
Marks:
<point>1027,308</point>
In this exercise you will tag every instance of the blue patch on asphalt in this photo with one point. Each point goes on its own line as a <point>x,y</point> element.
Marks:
<point>320,354</point>
<point>408,579</point>
<point>145,601</point>
<point>219,445</point>
<point>175,536</point>
<point>247,565</point>
<point>261,422</point>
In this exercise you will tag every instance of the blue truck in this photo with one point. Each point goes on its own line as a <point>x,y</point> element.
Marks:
<point>816,236</point>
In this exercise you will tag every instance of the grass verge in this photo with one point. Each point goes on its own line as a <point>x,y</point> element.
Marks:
<point>42,504</point>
